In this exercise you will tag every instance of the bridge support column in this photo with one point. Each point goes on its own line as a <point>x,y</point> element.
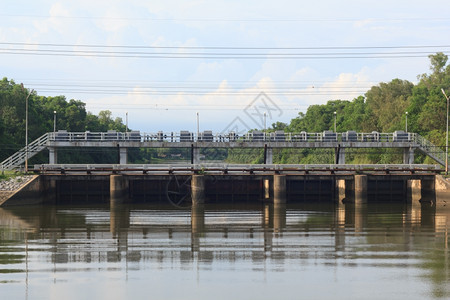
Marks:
<point>198,189</point>
<point>268,155</point>
<point>360,189</point>
<point>428,190</point>
<point>356,190</point>
<point>52,155</point>
<point>118,188</point>
<point>340,190</point>
<point>408,156</point>
<point>266,183</point>
<point>195,155</point>
<point>123,153</point>
<point>279,189</point>
<point>339,154</point>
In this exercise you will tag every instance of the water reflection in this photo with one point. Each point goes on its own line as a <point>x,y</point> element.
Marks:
<point>397,246</point>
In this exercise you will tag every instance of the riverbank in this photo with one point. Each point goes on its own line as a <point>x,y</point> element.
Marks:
<point>12,184</point>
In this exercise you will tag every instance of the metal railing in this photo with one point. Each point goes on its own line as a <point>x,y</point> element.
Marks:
<point>209,136</point>
<point>430,149</point>
<point>39,144</point>
<point>18,158</point>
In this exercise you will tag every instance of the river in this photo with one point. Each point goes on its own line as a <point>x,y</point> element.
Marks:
<point>258,251</point>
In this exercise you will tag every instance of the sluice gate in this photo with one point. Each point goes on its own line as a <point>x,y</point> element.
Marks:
<point>184,186</point>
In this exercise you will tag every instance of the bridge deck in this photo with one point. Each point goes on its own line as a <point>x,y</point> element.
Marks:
<point>236,169</point>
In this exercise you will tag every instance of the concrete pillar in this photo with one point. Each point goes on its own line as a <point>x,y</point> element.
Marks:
<point>198,189</point>
<point>266,183</point>
<point>196,155</point>
<point>52,155</point>
<point>123,156</point>
<point>269,156</point>
<point>413,191</point>
<point>118,188</point>
<point>428,191</point>
<point>360,188</point>
<point>340,190</point>
<point>339,154</point>
<point>279,189</point>
<point>408,156</point>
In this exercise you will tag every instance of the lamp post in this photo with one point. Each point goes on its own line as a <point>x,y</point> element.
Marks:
<point>26,130</point>
<point>198,126</point>
<point>334,121</point>
<point>54,122</point>
<point>406,123</point>
<point>265,125</point>
<point>446,136</point>
<point>126,124</point>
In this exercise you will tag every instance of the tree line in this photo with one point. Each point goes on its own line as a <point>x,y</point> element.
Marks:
<point>382,108</point>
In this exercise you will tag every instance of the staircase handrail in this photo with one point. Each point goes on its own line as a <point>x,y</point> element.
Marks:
<point>19,157</point>
<point>430,149</point>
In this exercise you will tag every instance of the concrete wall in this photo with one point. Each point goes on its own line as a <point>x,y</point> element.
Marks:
<point>442,184</point>
<point>34,192</point>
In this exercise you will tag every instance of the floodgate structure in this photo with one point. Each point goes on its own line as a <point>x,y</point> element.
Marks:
<point>200,181</point>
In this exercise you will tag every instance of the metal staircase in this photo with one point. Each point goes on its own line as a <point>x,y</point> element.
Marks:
<point>427,148</point>
<point>18,158</point>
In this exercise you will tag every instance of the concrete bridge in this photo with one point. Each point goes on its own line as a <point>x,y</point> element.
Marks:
<point>199,182</point>
<point>53,141</point>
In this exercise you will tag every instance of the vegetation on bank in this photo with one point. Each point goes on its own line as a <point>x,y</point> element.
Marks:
<point>6,175</point>
<point>381,109</point>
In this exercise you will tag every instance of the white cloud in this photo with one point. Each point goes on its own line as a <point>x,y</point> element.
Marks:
<point>226,24</point>
<point>55,21</point>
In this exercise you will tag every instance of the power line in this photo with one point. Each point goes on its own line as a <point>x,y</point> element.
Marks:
<point>215,20</point>
<point>220,52</point>
<point>223,56</point>
<point>225,47</point>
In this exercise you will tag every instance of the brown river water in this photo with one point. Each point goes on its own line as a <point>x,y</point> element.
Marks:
<point>260,251</point>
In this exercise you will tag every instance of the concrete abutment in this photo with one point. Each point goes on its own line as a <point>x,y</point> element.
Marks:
<point>118,188</point>
<point>279,189</point>
<point>198,189</point>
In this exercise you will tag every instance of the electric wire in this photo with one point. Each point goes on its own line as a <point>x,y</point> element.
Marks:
<point>220,52</point>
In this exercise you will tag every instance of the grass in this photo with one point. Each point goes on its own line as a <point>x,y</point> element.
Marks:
<point>5,175</point>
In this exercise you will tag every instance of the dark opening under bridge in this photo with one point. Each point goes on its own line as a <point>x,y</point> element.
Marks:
<point>199,182</point>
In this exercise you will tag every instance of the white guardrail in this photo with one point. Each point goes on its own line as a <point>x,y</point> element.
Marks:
<point>209,136</point>
<point>17,159</point>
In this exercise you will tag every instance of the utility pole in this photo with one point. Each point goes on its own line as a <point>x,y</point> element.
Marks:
<point>406,123</point>
<point>335,122</point>
<point>198,126</point>
<point>126,125</point>
<point>54,122</point>
<point>446,137</point>
<point>26,129</point>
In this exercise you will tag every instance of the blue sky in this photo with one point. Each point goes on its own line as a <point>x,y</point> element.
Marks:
<point>164,61</point>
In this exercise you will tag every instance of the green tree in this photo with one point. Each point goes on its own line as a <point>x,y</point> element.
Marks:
<point>387,103</point>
